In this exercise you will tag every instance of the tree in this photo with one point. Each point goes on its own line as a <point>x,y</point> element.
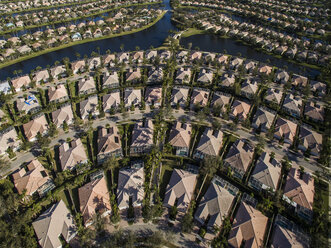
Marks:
<point>173,212</point>
<point>187,221</point>
<point>4,164</point>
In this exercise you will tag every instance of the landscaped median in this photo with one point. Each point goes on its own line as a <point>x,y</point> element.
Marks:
<point>36,54</point>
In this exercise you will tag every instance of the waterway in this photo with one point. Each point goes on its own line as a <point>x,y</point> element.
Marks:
<point>153,37</point>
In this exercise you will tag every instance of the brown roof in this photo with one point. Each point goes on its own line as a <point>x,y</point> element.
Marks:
<point>35,126</point>
<point>285,128</point>
<point>180,135</point>
<point>283,237</point>
<point>108,140</point>
<point>240,109</point>
<point>240,155</point>
<point>72,155</point>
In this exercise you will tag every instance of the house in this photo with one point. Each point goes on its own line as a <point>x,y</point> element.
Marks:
<point>205,76</point>
<point>21,82</point>
<point>33,179</point>
<point>195,56</point>
<point>318,88</point>
<point>298,80</point>
<point>282,77</point>
<point>35,126</point>
<point>63,115</point>
<point>133,75</point>
<point>130,189</point>
<point>292,105</point>
<point>310,141</point>
<point>142,137</point>
<point>199,97</point>
<point>153,96</point>
<point>249,88</point>
<point>123,57</point>
<point>265,69</point>
<point>183,75</point>
<point>299,192</point>
<point>250,65</point>
<point>109,59</point>
<point>209,144</point>
<point>180,137</point>
<point>29,105</point>
<point>94,63</point>
<point>235,63</point>
<point>72,154</point>
<point>239,157</point>
<point>138,56</point>
<point>285,129</point>
<point>180,190</point>
<point>109,143</point>
<point>41,76</point>
<point>58,94</point>
<point>151,55</point>
<point>222,59</point>
<point>78,66</point>
<point>263,119</point>
<point>24,49</point>
<point>59,72</point>
<point>179,96</point>
<point>155,75</point>
<point>215,205</point>
<point>53,223</point>
<point>132,97</point>
<point>181,56</point>
<point>110,80</point>
<point>9,139</point>
<point>220,99</point>
<point>5,88</point>
<point>89,107</point>
<point>228,80</point>
<point>240,110</point>
<point>111,101</point>
<point>314,112</point>
<point>248,227</point>
<point>94,198</point>
<point>266,173</point>
<point>273,96</point>
<point>86,86</point>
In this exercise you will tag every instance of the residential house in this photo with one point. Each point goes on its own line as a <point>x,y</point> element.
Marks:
<point>183,75</point>
<point>155,75</point>
<point>110,80</point>
<point>72,154</point>
<point>195,56</point>
<point>299,192</point>
<point>228,80</point>
<point>318,88</point>
<point>109,60</point>
<point>266,173</point>
<point>53,223</point>
<point>282,77</point>
<point>130,189</point>
<point>41,77</point>
<point>94,198</point>
<point>29,105</point>
<point>153,96</point>
<point>249,88</point>
<point>180,137</point>
<point>221,99</point>
<point>209,144</point>
<point>179,96</point>
<point>199,98</point>
<point>33,179</point>
<point>133,75</point>
<point>240,110</point>
<point>265,69</point>
<point>9,139</point>
<point>94,63</point>
<point>142,137</point>
<point>310,141</point>
<point>86,86</point>
<point>263,119</point>
<point>63,115</point>
<point>314,112</point>
<point>132,97</point>
<point>292,105</point>
<point>151,55</point>
<point>180,190</point>
<point>205,76</point>
<point>138,56</point>
<point>239,157</point>
<point>5,88</point>
<point>35,126</point>
<point>59,72</point>
<point>58,94</point>
<point>248,227</point>
<point>123,57</point>
<point>235,63</point>
<point>273,96</point>
<point>21,83</point>
<point>109,143</point>
<point>111,101</point>
<point>78,66</point>
<point>298,80</point>
<point>89,107</point>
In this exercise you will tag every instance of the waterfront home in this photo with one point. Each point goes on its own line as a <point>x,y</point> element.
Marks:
<point>29,105</point>
<point>310,141</point>
<point>133,75</point>
<point>76,36</point>
<point>63,115</point>
<point>59,72</point>
<point>110,79</point>
<point>153,96</point>
<point>142,137</point>
<point>9,140</point>
<point>132,97</point>
<point>250,65</point>
<point>265,69</point>
<point>151,55</point>
<point>248,227</point>
<point>58,94</point>
<point>5,88</point>
<point>182,56</point>
<point>195,56</point>
<point>78,66</point>
<point>299,192</point>
<point>109,143</point>
<point>215,205</point>
<point>138,56</point>
<point>72,154</point>
<point>86,85</point>
<point>266,173</point>
<point>31,179</point>
<point>180,137</point>
<point>205,76</point>
<point>109,59</point>
<point>298,80</point>
<point>183,75</point>
<point>180,190</point>
<point>285,129</point>
<point>263,119</point>
<point>89,107</point>
<point>222,59</point>
<point>130,190</point>
<point>179,96</point>
<point>56,221</point>
<point>8,53</point>
<point>228,80</point>
<point>220,99</point>
<point>111,101</point>
<point>235,63</point>
<point>94,198</point>
<point>199,98</point>
<point>155,75</point>
<point>209,144</point>
<point>282,77</point>
<point>21,82</point>
<point>314,112</point>
<point>35,126</point>
<point>41,77</point>
<point>239,157</point>
<point>123,57</point>
<point>94,63</point>
<point>273,96</point>
<point>292,105</point>
<point>318,88</point>
<point>240,110</point>
<point>165,55</point>
<point>249,88</point>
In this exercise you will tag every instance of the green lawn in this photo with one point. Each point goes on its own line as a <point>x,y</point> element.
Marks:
<point>167,168</point>
<point>192,31</point>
